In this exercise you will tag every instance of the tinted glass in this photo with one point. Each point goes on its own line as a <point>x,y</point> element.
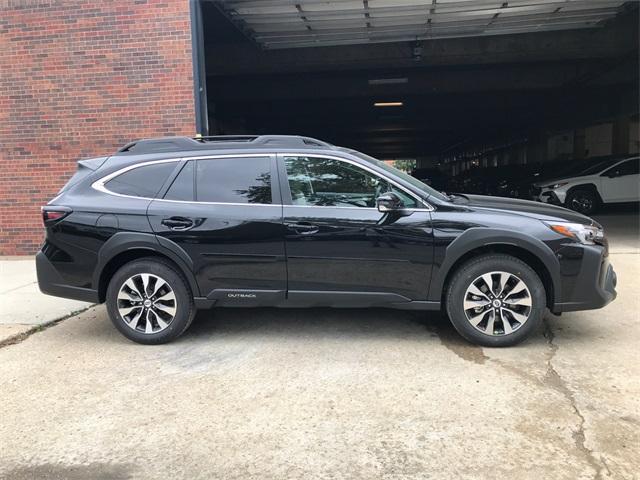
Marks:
<point>592,169</point>
<point>234,180</point>
<point>423,187</point>
<point>328,182</point>
<point>182,186</point>
<point>630,167</point>
<point>142,181</point>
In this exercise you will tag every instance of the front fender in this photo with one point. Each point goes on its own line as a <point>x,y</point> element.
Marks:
<point>478,237</point>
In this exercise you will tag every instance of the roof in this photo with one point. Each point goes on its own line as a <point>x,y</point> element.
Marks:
<point>223,142</point>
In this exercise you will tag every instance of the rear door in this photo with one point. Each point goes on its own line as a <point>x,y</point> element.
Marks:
<point>621,183</point>
<point>225,213</point>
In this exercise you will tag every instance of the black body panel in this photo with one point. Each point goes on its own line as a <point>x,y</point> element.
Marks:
<point>231,247</point>
<point>358,250</point>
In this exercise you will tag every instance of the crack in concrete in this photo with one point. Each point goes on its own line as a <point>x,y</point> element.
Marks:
<point>21,337</point>
<point>553,379</point>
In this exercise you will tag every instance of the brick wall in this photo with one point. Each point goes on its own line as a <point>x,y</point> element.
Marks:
<point>78,79</point>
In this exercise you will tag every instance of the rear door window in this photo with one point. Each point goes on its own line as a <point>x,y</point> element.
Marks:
<point>234,180</point>
<point>144,181</point>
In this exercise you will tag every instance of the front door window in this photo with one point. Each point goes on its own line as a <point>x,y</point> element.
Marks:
<point>326,182</point>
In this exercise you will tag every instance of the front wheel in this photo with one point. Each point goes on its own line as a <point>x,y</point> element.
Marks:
<point>149,301</point>
<point>496,300</point>
<point>582,201</point>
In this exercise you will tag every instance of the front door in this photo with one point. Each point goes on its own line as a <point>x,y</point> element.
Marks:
<point>225,212</point>
<point>621,183</point>
<point>340,249</point>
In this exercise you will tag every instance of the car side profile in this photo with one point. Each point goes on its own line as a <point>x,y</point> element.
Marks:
<point>606,181</point>
<point>167,226</point>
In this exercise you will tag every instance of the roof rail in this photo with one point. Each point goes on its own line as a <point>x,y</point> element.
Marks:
<point>226,138</point>
<point>177,144</point>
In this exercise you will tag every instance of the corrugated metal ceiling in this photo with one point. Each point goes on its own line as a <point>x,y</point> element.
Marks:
<point>275,24</point>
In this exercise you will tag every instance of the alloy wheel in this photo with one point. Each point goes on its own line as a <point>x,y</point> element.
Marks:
<point>582,203</point>
<point>147,303</point>
<point>497,303</point>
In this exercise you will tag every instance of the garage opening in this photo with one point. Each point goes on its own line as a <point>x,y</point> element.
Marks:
<point>449,86</point>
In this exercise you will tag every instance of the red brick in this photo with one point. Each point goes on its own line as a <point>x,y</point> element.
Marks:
<point>79,79</point>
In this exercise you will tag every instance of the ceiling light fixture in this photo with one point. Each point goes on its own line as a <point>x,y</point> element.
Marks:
<point>388,81</point>
<point>388,104</point>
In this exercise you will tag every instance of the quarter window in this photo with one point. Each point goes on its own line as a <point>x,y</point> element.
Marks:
<point>234,180</point>
<point>328,182</point>
<point>143,181</point>
<point>182,186</point>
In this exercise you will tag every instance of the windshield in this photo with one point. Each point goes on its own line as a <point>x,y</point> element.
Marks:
<point>597,167</point>
<point>423,187</point>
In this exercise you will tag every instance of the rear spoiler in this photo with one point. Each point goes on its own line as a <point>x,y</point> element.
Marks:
<point>85,168</point>
<point>92,163</point>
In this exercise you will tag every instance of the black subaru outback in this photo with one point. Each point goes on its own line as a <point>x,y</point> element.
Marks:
<point>167,226</point>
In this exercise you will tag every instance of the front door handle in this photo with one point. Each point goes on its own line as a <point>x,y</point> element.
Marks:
<point>303,228</point>
<point>178,223</point>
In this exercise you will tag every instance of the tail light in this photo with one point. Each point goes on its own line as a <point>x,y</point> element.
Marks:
<point>52,214</point>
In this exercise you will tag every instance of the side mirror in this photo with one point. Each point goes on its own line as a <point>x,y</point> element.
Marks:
<point>389,202</point>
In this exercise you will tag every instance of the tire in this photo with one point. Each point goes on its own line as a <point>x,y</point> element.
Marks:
<point>583,201</point>
<point>514,320</point>
<point>162,317</point>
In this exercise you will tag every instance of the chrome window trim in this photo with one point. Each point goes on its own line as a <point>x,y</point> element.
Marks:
<point>192,202</point>
<point>420,201</point>
<point>99,184</point>
<point>279,205</point>
<point>357,208</point>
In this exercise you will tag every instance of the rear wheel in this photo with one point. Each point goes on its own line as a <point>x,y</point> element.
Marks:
<point>583,201</point>
<point>149,302</point>
<point>495,300</point>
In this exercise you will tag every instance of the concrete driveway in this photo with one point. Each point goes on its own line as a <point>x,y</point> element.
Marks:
<point>354,394</point>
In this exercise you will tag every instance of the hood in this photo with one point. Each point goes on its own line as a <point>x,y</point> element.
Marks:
<point>538,210</point>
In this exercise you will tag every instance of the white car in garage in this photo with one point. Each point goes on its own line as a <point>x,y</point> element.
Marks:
<point>609,181</point>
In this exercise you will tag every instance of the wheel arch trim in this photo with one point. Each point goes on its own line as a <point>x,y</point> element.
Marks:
<point>129,242</point>
<point>486,238</point>
<point>591,186</point>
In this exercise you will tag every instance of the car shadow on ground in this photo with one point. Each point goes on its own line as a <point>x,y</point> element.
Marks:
<point>330,323</point>
<point>317,322</point>
<point>224,339</point>
<point>214,327</point>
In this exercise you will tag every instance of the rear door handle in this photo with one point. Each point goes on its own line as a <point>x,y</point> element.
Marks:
<point>303,228</point>
<point>178,223</point>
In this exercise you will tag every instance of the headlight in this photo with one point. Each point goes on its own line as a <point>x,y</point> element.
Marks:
<point>556,185</point>
<point>585,234</point>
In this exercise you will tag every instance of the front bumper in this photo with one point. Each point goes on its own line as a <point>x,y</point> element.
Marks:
<point>589,282</point>
<point>52,283</point>
<point>549,196</point>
